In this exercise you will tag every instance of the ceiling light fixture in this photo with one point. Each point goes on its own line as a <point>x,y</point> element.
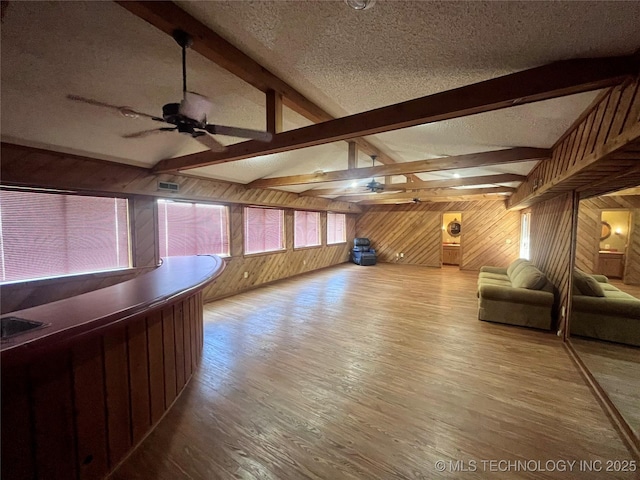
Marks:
<point>360,4</point>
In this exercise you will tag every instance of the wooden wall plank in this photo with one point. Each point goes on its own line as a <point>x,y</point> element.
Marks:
<point>52,395</point>
<point>90,408</point>
<point>169,348</point>
<point>138,379</point>
<point>178,326</point>
<point>193,320</point>
<point>17,454</point>
<point>117,394</point>
<point>144,228</point>
<point>186,322</point>
<point>156,365</point>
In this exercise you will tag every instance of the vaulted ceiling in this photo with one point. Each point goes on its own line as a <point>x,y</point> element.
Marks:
<point>344,61</point>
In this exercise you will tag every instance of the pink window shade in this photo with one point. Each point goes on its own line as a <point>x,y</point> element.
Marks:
<point>263,230</point>
<point>47,235</point>
<point>192,229</point>
<point>336,228</point>
<point>307,229</point>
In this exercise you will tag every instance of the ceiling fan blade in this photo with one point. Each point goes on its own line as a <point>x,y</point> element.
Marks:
<point>125,111</point>
<point>145,133</point>
<point>239,132</point>
<point>209,142</point>
<point>195,106</point>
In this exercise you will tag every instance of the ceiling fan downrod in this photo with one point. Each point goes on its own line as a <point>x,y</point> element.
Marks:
<point>185,41</point>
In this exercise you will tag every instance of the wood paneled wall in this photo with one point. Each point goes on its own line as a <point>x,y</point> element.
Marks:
<point>45,168</point>
<point>416,231</point>
<point>594,150</point>
<point>19,296</point>
<point>551,237</point>
<point>144,222</point>
<point>266,268</point>
<point>42,168</point>
<point>77,411</point>
<point>589,233</point>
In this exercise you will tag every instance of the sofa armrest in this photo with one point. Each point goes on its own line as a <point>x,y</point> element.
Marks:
<point>516,295</point>
<point>600,278</point>
<point>500,270</point>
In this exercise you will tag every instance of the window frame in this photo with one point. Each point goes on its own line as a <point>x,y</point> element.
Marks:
<point>245,236</point>
<point>89,273</point>
<point>344,230</point>
<point>319,228</point>
<point>193,202</point>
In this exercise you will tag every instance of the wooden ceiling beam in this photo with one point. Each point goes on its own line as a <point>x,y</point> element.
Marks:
<point>274,112</point>
<point>167,17</point>
<point>352,157</point>
<point>428,199</point>
<point>422,185</point>
<point>484,159</point>
<point>558,79</point>
<point>439,192</point>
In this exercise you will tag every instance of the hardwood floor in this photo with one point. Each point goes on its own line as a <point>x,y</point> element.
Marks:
<point>374,373</point>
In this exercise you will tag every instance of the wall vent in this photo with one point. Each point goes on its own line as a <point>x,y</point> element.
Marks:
<point>168,186</point>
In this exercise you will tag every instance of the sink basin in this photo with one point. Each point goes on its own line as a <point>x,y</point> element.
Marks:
<point>11,326</point>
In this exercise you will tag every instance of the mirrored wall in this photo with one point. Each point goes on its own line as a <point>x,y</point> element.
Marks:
<point>604,327</point>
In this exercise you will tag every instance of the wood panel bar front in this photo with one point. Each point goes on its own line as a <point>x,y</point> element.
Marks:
<point>78,407</point>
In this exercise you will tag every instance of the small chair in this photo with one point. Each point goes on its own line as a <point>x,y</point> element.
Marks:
<point>362,253</point>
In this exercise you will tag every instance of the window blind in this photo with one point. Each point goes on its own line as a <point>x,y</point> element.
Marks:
<point>192,229</point>
<point>264,230</point>
<point>336,228</point>
<point>47,234</point>
<point>307,229</point>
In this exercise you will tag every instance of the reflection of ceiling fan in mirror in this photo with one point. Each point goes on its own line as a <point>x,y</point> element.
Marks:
<point>189,116</point>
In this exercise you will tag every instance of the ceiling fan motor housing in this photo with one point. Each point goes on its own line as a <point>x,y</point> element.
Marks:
<point>171,114</point>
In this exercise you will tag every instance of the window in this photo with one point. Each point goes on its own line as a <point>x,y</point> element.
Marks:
<point>263,230</point>
<point>51,234</point>
<point>192,229</point>
<point>336,228</point>
<point>525,229</point>
<point>307,229</point>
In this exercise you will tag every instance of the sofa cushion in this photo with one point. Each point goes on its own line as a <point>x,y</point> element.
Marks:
<point>586,284</point>
<point>529,277</point>
<point>514,264</point>
<point>494,281</point>
<point>496,276</point>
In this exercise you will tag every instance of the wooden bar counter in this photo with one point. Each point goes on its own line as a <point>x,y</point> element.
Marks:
<point>81,392</point>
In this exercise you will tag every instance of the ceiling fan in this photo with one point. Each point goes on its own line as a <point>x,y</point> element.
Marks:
<point>189,116</point>
<point>373,186</point>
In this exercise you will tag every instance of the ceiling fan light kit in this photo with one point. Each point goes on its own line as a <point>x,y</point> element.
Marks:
<point>189,116</point>
<point>360,4</point>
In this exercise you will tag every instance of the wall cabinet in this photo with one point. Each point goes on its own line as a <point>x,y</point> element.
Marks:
<point>611,264</point>
<point>450,255</point>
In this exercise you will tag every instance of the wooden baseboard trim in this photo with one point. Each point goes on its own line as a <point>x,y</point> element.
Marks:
<point>617,420</point>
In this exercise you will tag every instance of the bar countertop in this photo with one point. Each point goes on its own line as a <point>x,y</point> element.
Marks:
<point>76,316</point>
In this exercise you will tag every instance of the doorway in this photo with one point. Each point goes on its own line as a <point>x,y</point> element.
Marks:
<point>452,238</point>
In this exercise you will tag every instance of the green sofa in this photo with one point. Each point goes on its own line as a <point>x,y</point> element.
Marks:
<point>600,310</point>
<point>517,295</point>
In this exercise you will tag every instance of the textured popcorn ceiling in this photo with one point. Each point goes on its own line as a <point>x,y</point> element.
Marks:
<point>346,61</point>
